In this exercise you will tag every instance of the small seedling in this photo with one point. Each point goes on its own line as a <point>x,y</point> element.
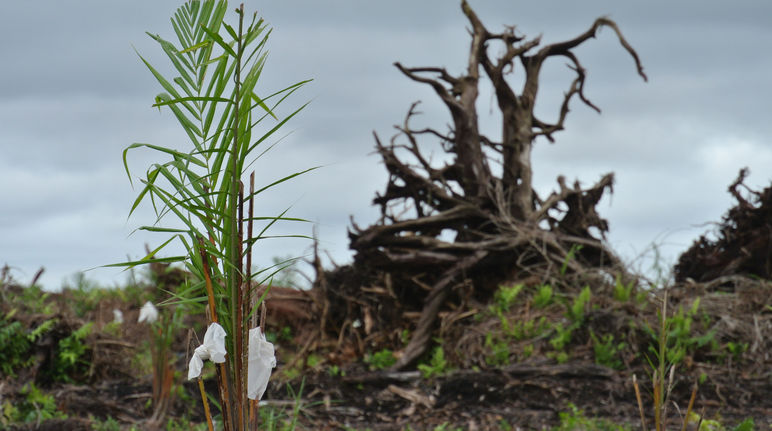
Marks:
<point>575,419</point>
<point>562,336</point>
<point>381,360</point>
<point>663,374</point>
<point>623,292</point>
<point>437,366</point>
<point>506,296</point>
<point>499,351</point>
<point>736,349</point>
<point>524,329</point>
<point>37,406</point>
<point>543,296</point>
<point>571,255</point>
<point>577,309</point>
<point>606,351</point>
<point>223,112</point>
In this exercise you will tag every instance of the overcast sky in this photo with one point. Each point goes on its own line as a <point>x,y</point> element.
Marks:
<point>73,94</point>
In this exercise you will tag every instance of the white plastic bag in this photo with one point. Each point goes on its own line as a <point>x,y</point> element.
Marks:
<point>148,313</point>
<point>117,316</point>
<point>260,362</point>
<point>212,349</point>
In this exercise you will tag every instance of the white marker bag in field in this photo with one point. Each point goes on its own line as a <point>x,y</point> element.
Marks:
<point>261,361</point>
<point>148,313</point>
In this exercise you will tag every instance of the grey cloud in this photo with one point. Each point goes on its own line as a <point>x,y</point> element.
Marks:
<point>75,94</point>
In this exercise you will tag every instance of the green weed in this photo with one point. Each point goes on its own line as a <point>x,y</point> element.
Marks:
<point>108,424</point>
<point>445,427</point>
<point>41,329</point>
<point>704,424</point>
<point>577,309</point>
<point>528,351</point>
<point>35,300</point>
<point>14,345</point>
<point>571,255</point>
<point>36,406</point>
<point>437,365</point>
<point>284,334</point>
<point>575,420</point>
<point>499,351</point>
<point>336,371</point>
<point>747,425</point>
<point>524,329</point>
<point>663,368</point>
<point>623,292</point>
<point>70,358</point>
<point>606,351</point>
<point>736,349</point>
<point>543,296</point>
<point>282,419</point>
<point>380,360</point>
<point>506,296</point>
<point>679,339</point>
<point>404,336</point>
<point>562,336</point>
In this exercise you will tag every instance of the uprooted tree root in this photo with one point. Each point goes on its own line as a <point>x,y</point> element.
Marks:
<point>474,214</point>
<point>743,243</point>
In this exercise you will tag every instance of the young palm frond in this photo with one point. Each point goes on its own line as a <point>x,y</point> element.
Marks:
<point>215,99</point>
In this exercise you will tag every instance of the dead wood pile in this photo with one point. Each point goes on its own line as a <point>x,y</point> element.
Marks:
<point>743,243</point>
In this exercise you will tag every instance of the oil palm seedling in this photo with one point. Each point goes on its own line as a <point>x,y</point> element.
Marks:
<point>228,121</point>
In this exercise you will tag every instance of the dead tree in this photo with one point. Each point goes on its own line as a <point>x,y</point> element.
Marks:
<point>475,210</point>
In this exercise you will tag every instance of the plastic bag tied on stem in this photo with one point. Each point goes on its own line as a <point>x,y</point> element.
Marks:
<point>213,349</point>
<point>260,362</point>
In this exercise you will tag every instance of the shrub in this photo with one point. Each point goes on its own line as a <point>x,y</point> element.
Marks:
<point>14,345</point>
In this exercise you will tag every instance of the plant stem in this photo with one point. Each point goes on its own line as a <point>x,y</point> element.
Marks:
<point>659,380</point>
<point>234,260</point>
<point>640,403</point>
<point>206,405</point>
<point>691,405</point>
<point>208,281</point>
